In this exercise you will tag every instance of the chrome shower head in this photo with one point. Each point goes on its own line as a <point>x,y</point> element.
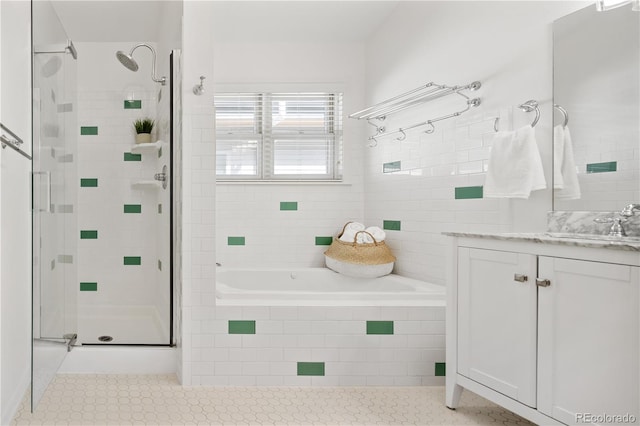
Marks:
<point>127,60</point>
<point>51,67</point>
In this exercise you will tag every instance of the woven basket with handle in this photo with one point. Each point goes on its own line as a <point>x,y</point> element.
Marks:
<point>375,253</point>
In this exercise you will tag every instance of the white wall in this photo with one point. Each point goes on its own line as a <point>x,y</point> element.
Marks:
<point>253,210</point>
<point>15,214</point>
<point>197,289</point>
<point>505,45</point>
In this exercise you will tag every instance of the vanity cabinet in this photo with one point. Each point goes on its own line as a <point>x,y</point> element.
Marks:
<point>496,321</point>
<point>588,331</point>
<point>549,331</point>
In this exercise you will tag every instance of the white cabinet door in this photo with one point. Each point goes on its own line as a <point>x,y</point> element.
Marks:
<point>588,341</point>
<point>497,321</point>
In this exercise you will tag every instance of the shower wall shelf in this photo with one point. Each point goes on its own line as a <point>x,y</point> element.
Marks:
<point>146,147</point>
<point>418,96</point>
<point>146,184</point>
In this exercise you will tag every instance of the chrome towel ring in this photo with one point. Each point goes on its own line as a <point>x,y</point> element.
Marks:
<point>564,113</point>
<point>529,106</point>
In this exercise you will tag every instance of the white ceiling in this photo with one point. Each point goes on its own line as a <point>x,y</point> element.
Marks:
<point>105,21</point>
<point>306,21</point>
<point>235,20</point>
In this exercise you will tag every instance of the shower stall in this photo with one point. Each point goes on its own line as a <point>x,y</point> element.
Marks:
<point>102,204</point>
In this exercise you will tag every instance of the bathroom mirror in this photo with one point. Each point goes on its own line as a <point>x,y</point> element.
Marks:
<point>596,76</point>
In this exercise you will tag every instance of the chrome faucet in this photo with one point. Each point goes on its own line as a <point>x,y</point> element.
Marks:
<point>616,229</point>
<point>629,210</point>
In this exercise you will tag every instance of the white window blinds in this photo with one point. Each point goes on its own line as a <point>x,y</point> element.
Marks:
<point>273,136</point>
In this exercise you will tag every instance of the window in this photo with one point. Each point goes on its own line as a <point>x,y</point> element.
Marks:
<point>278,136</point>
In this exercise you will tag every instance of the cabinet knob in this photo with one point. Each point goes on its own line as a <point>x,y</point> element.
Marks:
<point>520,278</point>
<point>542,283</point>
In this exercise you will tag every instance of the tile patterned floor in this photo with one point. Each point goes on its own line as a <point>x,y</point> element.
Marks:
<point>160,400</point>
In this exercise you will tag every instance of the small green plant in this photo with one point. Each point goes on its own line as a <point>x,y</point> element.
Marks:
<point>143,125</point>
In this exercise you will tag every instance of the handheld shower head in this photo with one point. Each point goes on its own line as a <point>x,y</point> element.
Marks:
<point>127,60</point>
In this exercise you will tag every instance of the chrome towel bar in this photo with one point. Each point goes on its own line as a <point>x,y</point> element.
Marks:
<point>12,143</point>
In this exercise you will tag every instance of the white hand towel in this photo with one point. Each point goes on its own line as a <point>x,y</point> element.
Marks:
<point>558,156</point>
<point>377,233</point>
<point>515,167</point>
<point>568,173</point>
<point>349,234</point>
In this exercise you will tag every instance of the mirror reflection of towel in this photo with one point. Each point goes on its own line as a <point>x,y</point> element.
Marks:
<point>515,167</point>
<point>565,174</point>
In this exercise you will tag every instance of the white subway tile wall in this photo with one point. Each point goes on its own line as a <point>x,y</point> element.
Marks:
<point>415,189</point>
<point>295,346</point>
<point>437,187</point>
<point>119,247</point>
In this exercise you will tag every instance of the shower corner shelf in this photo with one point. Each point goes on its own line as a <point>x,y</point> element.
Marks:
<point>146,147</point>
<point>146,184</point>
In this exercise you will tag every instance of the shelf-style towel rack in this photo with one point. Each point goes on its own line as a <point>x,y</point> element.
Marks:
<point>417,96</point>
<point>402,131</point>
<point>12,143</point>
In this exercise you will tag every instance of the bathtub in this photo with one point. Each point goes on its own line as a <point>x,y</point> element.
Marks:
<point>320,287</point>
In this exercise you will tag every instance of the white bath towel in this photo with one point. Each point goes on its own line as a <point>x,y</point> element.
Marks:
<point>349,234</point>
<point>565,173</point>
<point>376,232</point>
<point>515,167</point>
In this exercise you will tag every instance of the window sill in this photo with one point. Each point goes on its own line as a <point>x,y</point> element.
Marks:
<point>283,182</point>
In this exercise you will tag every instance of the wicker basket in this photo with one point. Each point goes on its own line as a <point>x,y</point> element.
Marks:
<point>359,260</point>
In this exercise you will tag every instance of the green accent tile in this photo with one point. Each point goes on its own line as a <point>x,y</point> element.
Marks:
<point>160,152</point>
<point>468,192</point>
<point>132,208</point>
<point>133,104</point>
<point>379,327</point>
<point>242,327</point>
<point>159,208</point>
<point>324,241</point>
<point>88,286</point>
<point>159,264</point>
<point>66,158</point>
<point>65,258</point>
<point>132,260</point>
<point>394,166</point>
<point>391,225</point>
<point>89,183</point>
<point>610,166</point>
<point>68,107</point>
<point>53,264</point>
<point>441,369</point>
<point>89,235</point>
<point>235,241</point>
<point>89,130</point>
<point>311,369</point>
<point>288,205</point>
<point>132,157</point>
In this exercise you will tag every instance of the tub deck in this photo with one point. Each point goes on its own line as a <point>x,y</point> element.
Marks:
<point>321,287</point>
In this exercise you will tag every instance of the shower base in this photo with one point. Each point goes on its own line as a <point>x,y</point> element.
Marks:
<point>127,325</point>
<point>120,360</point>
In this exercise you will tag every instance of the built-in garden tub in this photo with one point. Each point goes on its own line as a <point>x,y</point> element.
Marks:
<point>300,327</point>
<point>321,287</point>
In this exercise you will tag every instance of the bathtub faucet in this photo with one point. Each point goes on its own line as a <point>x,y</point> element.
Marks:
<point>218,264</point>
<point>629,210</point>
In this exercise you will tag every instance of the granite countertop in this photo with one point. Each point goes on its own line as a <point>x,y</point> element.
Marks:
<point>558,238</point>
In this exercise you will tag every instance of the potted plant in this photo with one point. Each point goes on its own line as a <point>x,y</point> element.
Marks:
<point>143,127</point>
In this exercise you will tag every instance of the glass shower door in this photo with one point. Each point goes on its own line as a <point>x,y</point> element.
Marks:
<point>54,184</point>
